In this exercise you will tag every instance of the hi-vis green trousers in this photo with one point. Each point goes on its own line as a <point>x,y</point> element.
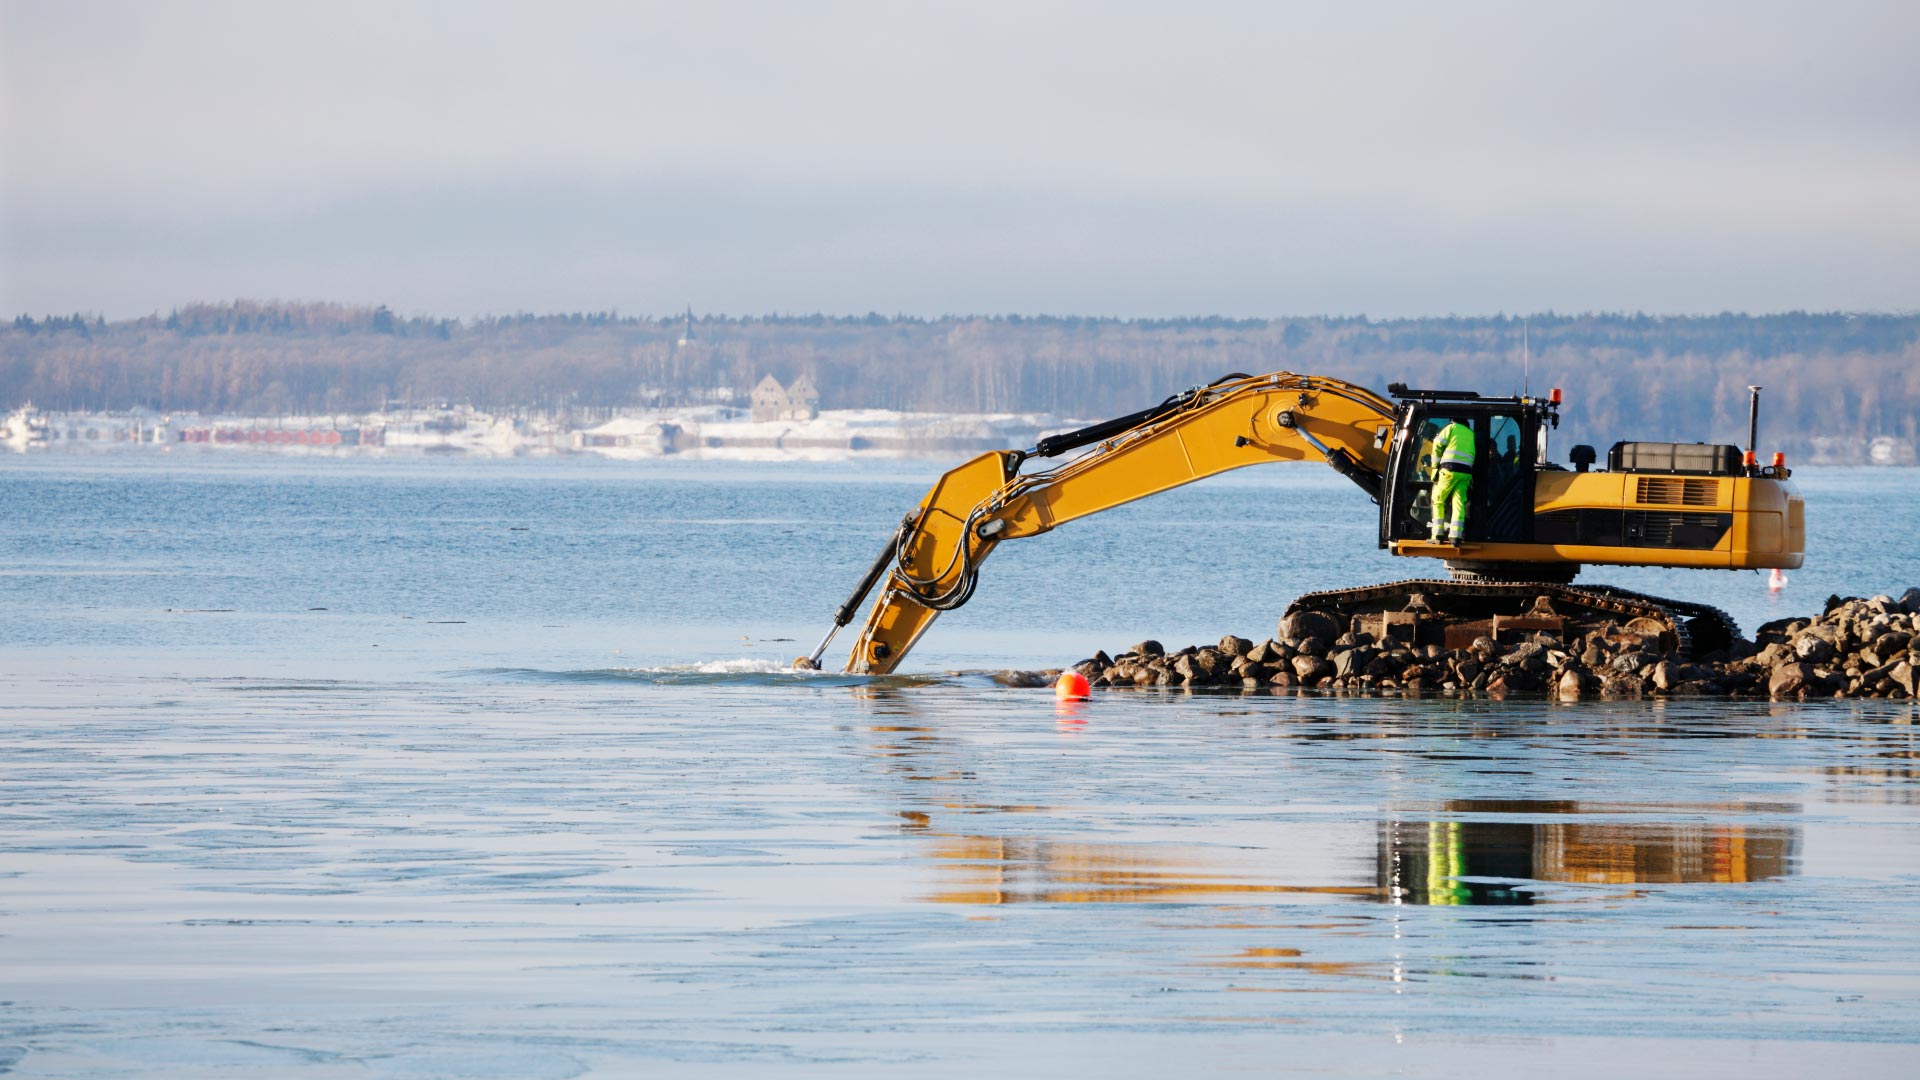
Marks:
<point>1450,504</point>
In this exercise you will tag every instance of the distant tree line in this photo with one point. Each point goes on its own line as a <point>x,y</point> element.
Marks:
<point>1626,376</point>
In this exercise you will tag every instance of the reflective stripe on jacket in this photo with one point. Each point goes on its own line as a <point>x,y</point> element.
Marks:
<point>1454,446</point>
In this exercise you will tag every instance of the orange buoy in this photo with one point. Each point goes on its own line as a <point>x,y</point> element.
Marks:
<point>1072,686</point>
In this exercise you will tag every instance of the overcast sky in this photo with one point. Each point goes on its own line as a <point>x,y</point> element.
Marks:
<point>1252,158</point>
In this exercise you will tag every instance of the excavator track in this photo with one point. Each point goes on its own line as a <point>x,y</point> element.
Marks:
<point>1459,610</point>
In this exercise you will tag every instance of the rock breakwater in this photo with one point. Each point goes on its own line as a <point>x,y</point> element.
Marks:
<point>1856,648</point>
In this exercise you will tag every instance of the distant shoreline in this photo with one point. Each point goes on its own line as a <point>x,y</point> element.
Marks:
<point>715,433</point>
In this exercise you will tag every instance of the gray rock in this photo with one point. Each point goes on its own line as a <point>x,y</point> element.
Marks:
<point>1633,663</point>
<point>1910,601</point>
<point>1235,646</point>
<point>1666,676</point>
<point>1148,648</point>
<point>1528,655</point>
<point>1811,648</point>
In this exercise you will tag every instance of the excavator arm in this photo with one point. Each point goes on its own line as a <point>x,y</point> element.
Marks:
<point>932,563</point>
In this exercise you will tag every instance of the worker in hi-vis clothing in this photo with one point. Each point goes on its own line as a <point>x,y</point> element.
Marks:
<point>1452,479</point>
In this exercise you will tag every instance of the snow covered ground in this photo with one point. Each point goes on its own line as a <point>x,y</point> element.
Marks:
<point>709,432</point>
<point>727,434</point>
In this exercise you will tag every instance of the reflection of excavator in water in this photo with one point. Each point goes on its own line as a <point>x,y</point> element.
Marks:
<point>1531,523</point>
<point>1428,857</point>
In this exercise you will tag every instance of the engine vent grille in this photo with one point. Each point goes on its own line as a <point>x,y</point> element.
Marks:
<point>1678,491</point>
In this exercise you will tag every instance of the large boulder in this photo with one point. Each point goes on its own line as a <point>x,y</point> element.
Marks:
<point>1310,669</point>
<point>1527,656</point>
<point>1350,662</point>
<point>1310,624</point>
<point>1789,680</point>
<point>1573,682</point>
<point>1906,678</point>
<point>1621,685</point>
<point>1385,667</point>
<point>1235,646</point>
<point>1910,601</point>
<point>1812,648</point>
<point>1633,663</point>
<point>1148,648</point>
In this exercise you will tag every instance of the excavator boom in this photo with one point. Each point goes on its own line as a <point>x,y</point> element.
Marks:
<point>1235,422</point>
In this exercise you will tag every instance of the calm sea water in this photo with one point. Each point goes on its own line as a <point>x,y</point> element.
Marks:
<point>445,768</point>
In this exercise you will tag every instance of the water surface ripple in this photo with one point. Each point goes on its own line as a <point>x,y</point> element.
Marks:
<point>342,777</point>
<point>504,872</point>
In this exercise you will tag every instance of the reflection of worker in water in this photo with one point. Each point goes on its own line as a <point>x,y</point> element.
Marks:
<point>1453,477</point>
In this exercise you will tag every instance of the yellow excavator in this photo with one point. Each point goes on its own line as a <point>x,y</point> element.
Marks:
<point>1531,523</point>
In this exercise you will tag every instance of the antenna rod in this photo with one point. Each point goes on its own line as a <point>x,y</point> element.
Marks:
<point>1753,422</point>
<point>1526,361</point>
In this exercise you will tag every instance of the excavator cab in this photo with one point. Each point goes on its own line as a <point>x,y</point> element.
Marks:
<point>1509,435</point>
